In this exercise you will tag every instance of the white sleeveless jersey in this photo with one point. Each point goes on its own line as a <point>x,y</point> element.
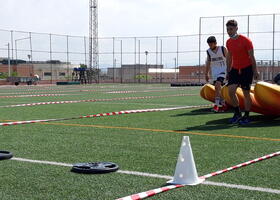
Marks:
<point>217,59</point>
<point>217,63</point>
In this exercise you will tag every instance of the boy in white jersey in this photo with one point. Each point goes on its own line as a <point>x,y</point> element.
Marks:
<point>216,60</point>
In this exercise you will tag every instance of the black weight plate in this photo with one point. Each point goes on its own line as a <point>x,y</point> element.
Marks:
<point>5,155</point>
<point>95,167</point>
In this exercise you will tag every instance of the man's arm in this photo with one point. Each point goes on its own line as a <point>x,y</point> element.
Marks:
<point>229,61</point>
<point>225,51</point>
<point>207,64</point>
<point>254,64</point>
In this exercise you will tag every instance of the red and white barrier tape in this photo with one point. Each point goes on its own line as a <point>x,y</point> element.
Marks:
<point>92,100</point>
<point>241,165</point>
<point>153,192</point>
<point>34,95</point>
<point>103,115</point>
<point>54,91</point>
<point>139,91</point>
<point>150,193</point>
<point>122,92</point>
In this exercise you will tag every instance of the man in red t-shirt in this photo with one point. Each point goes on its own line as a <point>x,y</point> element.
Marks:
<point>241,69</point>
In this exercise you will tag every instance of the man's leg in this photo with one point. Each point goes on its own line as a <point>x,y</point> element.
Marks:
<point>247,100</point>
<point>247,78</point>
<point>247,104</point>
<point>218,86</point>
<point>220,82</point>
<point>234,101</point>
<point>216,107</point>
<point>232,94</point>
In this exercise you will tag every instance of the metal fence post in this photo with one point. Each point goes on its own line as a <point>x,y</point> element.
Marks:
<point>31,52</point>
<point>51,58</point>
<point>67,56</point>
<point>223,30</point>
<point>161,56</point>
<point>156,59</point>
<point>177,60</point>
<point>146,66</point>
<point>135,59</point>
<point>121,64</point>
<point>85,49</point>
<point>12,44</point>
<point>248,26</point>
<point>139,60</point>
<point>114,61</point>
<point>9,60</point>
<point>273,45</point>
<point>199,49</point>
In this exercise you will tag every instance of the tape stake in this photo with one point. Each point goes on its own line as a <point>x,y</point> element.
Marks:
<point>153,192</point>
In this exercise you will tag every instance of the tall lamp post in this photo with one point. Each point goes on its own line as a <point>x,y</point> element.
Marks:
<point>146,53</point>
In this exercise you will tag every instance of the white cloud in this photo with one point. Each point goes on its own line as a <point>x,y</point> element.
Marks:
<point>122,17</point>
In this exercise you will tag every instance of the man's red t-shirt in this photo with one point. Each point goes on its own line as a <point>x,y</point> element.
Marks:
<point>239,50</point>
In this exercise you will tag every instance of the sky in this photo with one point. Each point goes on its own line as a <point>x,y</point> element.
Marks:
<point>123,17</point>
<point>132,18</point>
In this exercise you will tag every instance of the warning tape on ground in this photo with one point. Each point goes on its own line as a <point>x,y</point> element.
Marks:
<point>103,115</point>
<point>92,100</point>
<point>53,91</point>
<point>139,91</point>
<point>153,192</point>
<point>34,95</point>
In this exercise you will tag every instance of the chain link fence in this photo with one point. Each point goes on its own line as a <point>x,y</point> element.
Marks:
<point>155,59</point>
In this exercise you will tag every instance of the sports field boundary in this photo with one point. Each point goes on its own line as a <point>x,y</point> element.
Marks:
<point>35,95</point>
<point>165,131</point>
<point>154,192</point>
<point>94,100</point>
<point>166,177</point>
<point>103,114</point>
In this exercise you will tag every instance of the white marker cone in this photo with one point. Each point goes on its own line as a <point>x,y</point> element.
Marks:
<point>185,172</point>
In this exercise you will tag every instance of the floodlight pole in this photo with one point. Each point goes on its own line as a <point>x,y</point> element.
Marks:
<point>93,38</point>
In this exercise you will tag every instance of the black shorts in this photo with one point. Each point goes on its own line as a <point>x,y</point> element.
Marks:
<point>242,78</point>
<point>220,79</point>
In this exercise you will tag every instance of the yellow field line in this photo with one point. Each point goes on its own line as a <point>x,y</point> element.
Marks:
<point>161,131</point>
<point>165,131</point>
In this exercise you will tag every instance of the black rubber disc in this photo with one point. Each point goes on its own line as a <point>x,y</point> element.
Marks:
<point>5,155</point>
<point>95,168</point>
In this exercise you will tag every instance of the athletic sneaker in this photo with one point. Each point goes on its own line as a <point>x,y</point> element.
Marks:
<point>224,107</point>
<point>216,108</point>
<point>235,119</point>
<point>244,120</point>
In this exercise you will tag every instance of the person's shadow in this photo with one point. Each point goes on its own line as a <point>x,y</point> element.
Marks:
<point>201,111</point>
<point>256,121</point>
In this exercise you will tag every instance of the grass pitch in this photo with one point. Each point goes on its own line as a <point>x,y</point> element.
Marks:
<point>144,142</point>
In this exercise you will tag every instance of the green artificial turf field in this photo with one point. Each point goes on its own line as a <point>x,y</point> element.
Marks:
<point>141,142</point>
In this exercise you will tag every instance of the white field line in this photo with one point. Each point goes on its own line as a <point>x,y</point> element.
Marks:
<point>242,187</point>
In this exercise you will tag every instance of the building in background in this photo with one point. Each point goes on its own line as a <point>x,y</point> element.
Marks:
<point>132,73</point>
<point>48,71</point>
<point>197,74</point>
